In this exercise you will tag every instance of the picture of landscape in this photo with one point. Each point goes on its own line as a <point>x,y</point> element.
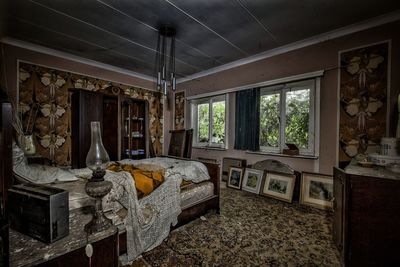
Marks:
<point>320,190</point>
<point>252,180</point>
<point>278,186</point>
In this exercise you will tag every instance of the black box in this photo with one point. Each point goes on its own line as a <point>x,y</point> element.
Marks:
<point>39,211</point>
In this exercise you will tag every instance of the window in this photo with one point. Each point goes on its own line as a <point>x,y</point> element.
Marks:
<point>209,119</point>
<point>287,116</point>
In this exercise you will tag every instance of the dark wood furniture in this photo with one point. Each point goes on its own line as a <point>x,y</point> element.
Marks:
<point>5,177</point>
<point>124,123</point>
<point>105,254</point>
<point>69,251</point>
<point>367,218</point>
<point>196,210</point>
<point>134,139</point>
<point>180,144</point>
<point>90,106</point>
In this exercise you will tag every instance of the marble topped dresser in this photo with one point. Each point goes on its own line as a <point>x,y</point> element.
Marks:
<point>366,223</point>
<point>69,251</point>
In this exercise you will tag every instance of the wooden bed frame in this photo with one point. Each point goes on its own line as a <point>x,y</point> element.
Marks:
<point>196,210</point>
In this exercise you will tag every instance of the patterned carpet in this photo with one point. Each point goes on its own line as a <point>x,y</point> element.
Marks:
<point>250,231</point>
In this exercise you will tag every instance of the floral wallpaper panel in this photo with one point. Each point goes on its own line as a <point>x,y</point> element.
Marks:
<point>46,90</point>
<point>363,99</point>
<point>179,119</point>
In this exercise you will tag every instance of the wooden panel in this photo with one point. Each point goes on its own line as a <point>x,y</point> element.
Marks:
<point>105,254</point>
<point>338,209</point>
<point>110,126</point>
<point>86,107</point>
<point>5,178</point>
<point>375,220</point>
<point>177,143</point>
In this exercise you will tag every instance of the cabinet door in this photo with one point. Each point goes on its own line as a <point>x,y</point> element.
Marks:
<point>86,107</point>
<point>105,254</point>
<point>339,209</point>
<point>110,126</point>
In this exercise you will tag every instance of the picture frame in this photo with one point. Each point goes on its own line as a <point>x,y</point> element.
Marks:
<point>235,177</point>
<point>279,186</point>
<point>316,190</point>
<point>231,162</point>
<point>252,179</point>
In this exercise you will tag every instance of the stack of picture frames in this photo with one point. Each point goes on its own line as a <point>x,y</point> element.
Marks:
<point>315,189</point>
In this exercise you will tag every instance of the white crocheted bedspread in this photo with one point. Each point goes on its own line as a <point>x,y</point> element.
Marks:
<point>149,219</point>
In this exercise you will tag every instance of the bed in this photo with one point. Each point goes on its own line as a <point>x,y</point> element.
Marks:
<point>146,222</point>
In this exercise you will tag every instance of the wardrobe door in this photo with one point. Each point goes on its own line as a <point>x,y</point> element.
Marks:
<point>86,107</point>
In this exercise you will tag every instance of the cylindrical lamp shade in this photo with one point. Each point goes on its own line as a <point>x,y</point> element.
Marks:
<point>97,157</point>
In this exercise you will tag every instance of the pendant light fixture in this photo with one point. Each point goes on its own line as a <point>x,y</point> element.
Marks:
<point>165,61</point>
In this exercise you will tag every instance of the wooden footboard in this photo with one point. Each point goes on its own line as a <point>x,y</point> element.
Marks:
<point>195,211</point>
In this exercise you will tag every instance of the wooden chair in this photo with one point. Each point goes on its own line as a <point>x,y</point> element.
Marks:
<point>180,144</point>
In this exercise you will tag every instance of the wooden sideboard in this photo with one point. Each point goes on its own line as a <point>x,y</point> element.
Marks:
<point>68,251</point>
<point>366,223</point>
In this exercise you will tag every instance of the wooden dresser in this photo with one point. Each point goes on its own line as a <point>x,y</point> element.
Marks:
<point>68,251</point>
<point>366,224</point>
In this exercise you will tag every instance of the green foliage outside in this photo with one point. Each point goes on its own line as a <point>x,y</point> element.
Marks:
<point>269,120</point>
<point>218,135</point>
<point>218,127</point>
<point>297,118</point>
<point>203,120</point>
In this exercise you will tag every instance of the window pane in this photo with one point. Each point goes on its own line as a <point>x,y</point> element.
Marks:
<point>218,127</point>
<point>269,120</point>
<point>203,122</point>
<point>297,117</point>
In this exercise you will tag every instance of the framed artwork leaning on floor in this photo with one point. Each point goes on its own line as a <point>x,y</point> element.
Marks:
<point>316,190</point>
<point>235,177</point>
<point>252,180</point>
<point>279,186</point>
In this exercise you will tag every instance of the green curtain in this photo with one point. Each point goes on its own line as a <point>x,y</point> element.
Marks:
<point>247,118</point>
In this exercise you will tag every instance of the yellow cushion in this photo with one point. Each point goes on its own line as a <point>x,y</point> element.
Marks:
<point>145,181</point>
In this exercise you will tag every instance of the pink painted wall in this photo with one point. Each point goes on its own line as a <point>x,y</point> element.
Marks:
<point>322,56</point>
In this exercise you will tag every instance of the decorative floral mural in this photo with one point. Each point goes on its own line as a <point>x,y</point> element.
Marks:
<point>363,99</point>
<point>46,89</point>
<point>179,118</point>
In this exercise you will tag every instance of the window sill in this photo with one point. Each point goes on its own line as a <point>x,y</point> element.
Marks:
<point>282,155</point>
<point>209,148</point>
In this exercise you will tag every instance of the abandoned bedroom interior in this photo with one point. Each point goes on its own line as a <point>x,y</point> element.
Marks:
<point>200,133</point>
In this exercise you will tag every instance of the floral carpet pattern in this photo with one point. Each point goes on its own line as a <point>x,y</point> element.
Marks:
<point>250,231</point>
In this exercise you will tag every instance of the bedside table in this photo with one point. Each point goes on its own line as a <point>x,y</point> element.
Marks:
<point>69,251</point>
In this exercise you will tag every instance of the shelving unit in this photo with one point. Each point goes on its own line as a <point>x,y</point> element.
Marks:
<point>134,139</point>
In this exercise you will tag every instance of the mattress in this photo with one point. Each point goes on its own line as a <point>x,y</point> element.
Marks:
<point>190,195</point>
<point>195,193</point>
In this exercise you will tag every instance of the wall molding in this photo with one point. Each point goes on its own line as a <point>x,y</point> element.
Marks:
<point>71,57</point>
<point>353,28</point>
<point>293,78</point>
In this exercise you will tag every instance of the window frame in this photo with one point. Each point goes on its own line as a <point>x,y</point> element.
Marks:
<point>194,120</point>
<point>282,89</point>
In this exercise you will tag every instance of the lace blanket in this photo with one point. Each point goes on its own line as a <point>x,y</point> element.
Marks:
<point>148,221</point>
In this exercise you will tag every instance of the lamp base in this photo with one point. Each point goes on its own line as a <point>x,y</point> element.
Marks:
<point>98,224</point>
<point>98,189</point>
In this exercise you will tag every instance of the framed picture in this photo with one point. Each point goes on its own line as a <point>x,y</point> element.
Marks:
<point>252,180</point>
<point>231,162</point>
<point>279,186</point>
<point>235,177</point>
<point>316,190</point>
